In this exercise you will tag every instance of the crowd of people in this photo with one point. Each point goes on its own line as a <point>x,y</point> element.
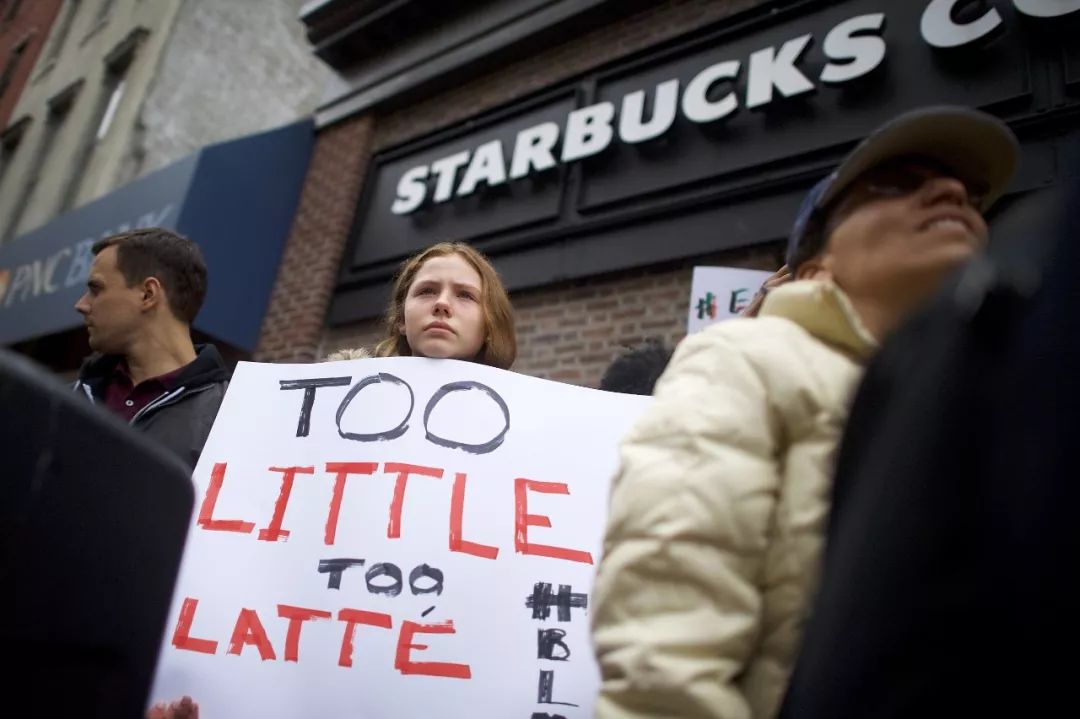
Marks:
<point>739,577</point>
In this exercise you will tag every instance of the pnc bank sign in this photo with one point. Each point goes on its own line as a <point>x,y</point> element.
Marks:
<point>63,268</point>
<point>851,49</point>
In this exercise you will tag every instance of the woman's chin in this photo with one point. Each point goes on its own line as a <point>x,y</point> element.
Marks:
<point>435,350</point>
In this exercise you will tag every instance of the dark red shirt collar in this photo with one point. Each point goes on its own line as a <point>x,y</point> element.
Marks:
<point>127,400</point>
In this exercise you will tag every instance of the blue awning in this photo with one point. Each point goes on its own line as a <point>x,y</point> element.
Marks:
<point>235,199</point>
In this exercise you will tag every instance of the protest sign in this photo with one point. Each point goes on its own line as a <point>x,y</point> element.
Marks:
<point>720,293</point>
<point>396,537</point>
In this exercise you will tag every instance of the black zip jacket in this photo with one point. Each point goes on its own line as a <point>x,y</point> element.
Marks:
<point>179,419</point>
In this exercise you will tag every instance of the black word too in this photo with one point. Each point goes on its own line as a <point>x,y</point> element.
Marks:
<point>310,386</point>
<point>377,575</point>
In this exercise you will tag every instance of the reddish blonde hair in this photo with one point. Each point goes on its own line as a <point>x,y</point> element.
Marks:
<point>500,340</point>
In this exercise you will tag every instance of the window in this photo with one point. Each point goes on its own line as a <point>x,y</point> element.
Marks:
<point>59,108</point>
<point>11,11</point>
<point>9,145</point>
<point>101,19</point>
<point>115,92</point>
<point>63,29</point>
<point>97,129</point>
<point>103,11</point>
<point>12,62</point>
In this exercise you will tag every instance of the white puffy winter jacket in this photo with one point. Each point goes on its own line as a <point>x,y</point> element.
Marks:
<point>718,511</point>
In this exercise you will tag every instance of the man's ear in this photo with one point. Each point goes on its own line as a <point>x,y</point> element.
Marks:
<point>153,293</point>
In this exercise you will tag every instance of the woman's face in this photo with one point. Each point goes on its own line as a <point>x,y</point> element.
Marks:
<point>444,317</point>
<point>899,229</point>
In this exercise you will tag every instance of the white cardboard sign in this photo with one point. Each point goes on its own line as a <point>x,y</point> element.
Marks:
<point>720,293</point>
<point>394,538</point>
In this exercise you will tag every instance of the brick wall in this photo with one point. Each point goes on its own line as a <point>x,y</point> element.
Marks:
<point>364,334</point>
<point>293,326</point>
<point>566,332</point>
<point>570,332</point>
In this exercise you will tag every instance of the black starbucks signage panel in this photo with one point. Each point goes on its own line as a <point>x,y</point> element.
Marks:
<point>762,101</point>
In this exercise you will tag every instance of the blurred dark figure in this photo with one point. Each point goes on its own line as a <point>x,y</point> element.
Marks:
<point>636,370</point>
<point>93,518</point>
<point>949,586</point>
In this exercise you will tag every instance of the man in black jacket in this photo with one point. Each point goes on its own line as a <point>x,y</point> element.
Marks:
<point>145,288</point>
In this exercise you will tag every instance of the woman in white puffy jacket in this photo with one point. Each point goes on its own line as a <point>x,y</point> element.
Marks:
<point>718,511</point>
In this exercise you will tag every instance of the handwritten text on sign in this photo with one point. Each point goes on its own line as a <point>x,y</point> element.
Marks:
<point>395,538</point>
<point>720,293</point>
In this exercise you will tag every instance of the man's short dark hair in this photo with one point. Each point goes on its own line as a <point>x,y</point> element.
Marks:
<point>173,259</point>
<point>636,370</point>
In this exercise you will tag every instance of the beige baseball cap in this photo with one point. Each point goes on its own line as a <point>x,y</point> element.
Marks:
<point>978,147</point>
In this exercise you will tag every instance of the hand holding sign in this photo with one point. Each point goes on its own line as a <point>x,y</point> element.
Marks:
<point>780,277</point>
<point>183,709</point>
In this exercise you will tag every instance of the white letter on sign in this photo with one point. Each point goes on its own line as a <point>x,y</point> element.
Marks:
<point>769,69</point>
<point>939,29</point>
<point>695,102</point>
<point>533,150</point>
<point>588,131</point>
<point>859,54</point>
<point>632,125</point>
<point>411,191</point>
<point>487,166</point>
<point>50,269</point>
<point>23,275</point>
<point>446,169</point>
<point>1047,8</point>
